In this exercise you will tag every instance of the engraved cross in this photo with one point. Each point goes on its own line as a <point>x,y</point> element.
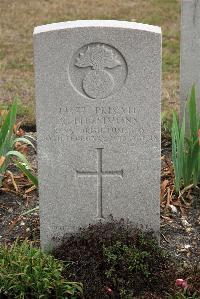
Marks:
<point>99,174</point>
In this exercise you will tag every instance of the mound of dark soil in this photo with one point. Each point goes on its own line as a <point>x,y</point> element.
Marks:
<point>117,273</point>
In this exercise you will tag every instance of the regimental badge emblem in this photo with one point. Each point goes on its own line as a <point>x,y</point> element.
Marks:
<point>98,70</point>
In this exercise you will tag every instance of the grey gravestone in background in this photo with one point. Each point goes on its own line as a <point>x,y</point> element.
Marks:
<point>190,50</point>
<point>98,86</point>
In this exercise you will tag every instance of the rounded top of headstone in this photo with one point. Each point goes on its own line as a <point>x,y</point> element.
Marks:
<point>98,24</point>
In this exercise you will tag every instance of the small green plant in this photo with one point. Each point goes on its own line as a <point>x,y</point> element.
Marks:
<point>186,147</point>
<point>183,295</point>
<point>26,272</point>
<point>130,261</point>
<point>186,291</point>
<point>8,140</point>
<point>118,260</point>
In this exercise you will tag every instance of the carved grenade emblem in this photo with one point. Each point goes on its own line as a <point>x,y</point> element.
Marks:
<point>98,83</point>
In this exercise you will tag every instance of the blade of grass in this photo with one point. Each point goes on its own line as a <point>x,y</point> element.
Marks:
<point>27,172</point>
<point>18,155</point>
<point>7,127</point>
<point>193,113</point>
<point>24,140</point>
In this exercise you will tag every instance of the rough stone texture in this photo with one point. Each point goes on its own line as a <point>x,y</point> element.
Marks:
<point>190,51</point>
<point>98,89</point>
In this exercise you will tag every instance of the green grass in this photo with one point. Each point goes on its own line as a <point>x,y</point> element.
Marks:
<point>8,141</point>
<point>185,146</point>
<point>18,18</point>
<point>26,272</point>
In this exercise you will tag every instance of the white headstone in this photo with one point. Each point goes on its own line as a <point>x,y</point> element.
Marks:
<point>98,90</point>
<point>190,51</point>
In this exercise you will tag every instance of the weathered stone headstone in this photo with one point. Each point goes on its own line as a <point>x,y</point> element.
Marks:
<point>98,87</point>
<point>190,51</point>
